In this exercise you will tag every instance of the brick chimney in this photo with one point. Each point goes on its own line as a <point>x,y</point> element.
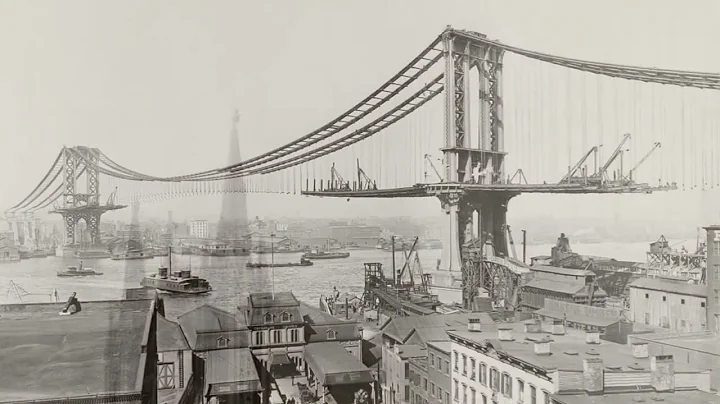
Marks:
<point>640,350</point>
<point>542,347</point>
<point>593,376</point>
<point>558,327</point>
<point>532,326</point>
<point>662,373</point>
<point>592,337</point>
<point>474,325</point>
<point>505,333</point>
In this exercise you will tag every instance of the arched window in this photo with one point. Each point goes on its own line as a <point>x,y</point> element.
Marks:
<point>222,342</point>
<point>268,318</point>
<point>285,317</point>
<point>331,334</point>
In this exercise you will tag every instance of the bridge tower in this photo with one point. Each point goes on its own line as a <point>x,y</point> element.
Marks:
<point>468,162</point>
<point>76,205</point>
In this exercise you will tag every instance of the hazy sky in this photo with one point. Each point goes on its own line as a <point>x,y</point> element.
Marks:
<point>154,83</point>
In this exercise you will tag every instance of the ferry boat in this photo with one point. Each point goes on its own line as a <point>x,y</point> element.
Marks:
<point>180,282</point>
<point>303,263</point>
<point>325,255</point>
<point>78,271</point>
<point>133,255</point>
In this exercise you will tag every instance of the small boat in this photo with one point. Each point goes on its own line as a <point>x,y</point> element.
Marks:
<point>180,282</point>
<point>303,263</point>
<point>323,255</point>
<point>78,271</point>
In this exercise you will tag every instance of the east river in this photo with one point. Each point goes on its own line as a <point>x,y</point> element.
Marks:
<point>232,281</point>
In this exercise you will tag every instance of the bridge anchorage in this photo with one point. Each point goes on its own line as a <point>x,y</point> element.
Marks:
<point>76,206</point>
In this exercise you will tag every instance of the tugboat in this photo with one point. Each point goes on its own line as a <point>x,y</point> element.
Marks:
<point>324,255</point>
<point>303,263</point>
<point>78,271</point>
<point>180,282</point>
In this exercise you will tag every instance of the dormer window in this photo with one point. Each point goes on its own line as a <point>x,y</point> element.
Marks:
<point>268,318</point>
<point>222,342</point>
<point>285,317</point>
<point>331,334</point>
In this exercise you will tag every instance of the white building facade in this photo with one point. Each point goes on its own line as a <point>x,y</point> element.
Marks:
<point>199,228</point>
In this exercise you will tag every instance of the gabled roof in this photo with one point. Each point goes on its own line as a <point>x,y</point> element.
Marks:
<point>207,318</point>
<point>169,336</point>
<point>400,328</point>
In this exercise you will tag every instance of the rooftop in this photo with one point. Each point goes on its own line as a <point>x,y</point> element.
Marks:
<point>566,351</point>
<point>443,346</point>
<point>668,286</point>
<point>561,271</point>
<point>169,336</point>
<point>698,341</point>
<point>266,300</point>
<point>678,397</point>
<point>44,355</point>
<point>400,328</point>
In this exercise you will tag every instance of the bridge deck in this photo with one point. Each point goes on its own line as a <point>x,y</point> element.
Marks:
<point>424,190</point>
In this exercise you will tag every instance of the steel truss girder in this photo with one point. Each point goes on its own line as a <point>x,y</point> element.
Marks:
<point>500,281</point>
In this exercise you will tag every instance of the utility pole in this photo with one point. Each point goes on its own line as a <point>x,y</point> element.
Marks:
<point>272,262</point>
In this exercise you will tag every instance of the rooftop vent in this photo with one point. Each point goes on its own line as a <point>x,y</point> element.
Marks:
<point>474,325</point>
<point>532,326</point>
<point>613,367</point>
<point>570,352</point>
<point>592,352</point>
<point>592,337</point>
<point>640,350</point>
<point>505,333</point>
<point>542,347</point>
<point>558,327</point>
<point>636,366</point>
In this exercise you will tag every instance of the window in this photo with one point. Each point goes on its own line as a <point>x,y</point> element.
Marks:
<point>533,394</point>
<point>294,335</point>
<point>285,317</point>
<point>472,395</point>
<point>464,401</point>
<point>432,360</point>
<point>473,369</point>
<point>717,296</point>
<point>331,334</point>
<point>425,384</point>
<point>483,374</point>
<point>484,398</point>
<point>277,336</point>
<point>447,397</point>
<point>521,390</point>
<point>506,385</point>
<point>682,301</point>
<point>664,298</point>
<point>494,379</point>
<point>647,295</point>
<point>447,367</point>
<point>432,389</point>
<point>439,394</point>
<point>259,338</point>
<point>464,365</point>
<point>457,360</point>
<point>702,304</point>
<point>222,343</point>
<point>456,396</point>
<point>268,318</point>
<point>166,375</point>
<point>717,272</point>
<point>546,397</point>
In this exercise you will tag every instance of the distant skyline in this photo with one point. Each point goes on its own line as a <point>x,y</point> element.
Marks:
<point>153,85</point>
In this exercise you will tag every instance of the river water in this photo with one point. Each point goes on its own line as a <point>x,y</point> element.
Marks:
<point>232,281</point>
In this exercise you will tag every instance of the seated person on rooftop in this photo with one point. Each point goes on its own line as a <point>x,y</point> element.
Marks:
<point>72,306</point>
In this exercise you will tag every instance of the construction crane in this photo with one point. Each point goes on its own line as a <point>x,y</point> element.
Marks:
<point>629,177</point>
<point>601,175</point>
<point>573,170</point>
<point>364,182</point>
<point>428,160</point>
<point>336,180</point>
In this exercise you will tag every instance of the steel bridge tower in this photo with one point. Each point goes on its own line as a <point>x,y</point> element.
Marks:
<point>76,205</point>
<point>465,162</point>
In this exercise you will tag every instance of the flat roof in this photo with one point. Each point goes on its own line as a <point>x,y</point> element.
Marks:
<point>678,397</point>
<point>567,351</point>
<point>267,300</point>
<point>442,346</point>
<point>44,355</point>
<point>333,365</point>
<point>699,341</point>
<point>231,371</point>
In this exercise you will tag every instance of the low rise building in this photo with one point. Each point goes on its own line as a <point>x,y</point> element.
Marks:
<point>518,362</point>
<point>106,351</point>
<point>439,373</point>
<point>677,306</point>
<point>565,284</point>
<point>199,228</point>
<point>611,323</point>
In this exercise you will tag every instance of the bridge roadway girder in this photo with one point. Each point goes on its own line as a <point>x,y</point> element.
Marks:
<point>500,281</point>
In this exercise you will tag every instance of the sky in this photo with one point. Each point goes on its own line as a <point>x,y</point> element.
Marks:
<point>153,83</point>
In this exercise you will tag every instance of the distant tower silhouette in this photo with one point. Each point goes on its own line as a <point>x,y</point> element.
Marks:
<point>233,213</point>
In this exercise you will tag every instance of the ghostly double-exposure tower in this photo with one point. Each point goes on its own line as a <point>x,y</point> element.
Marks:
<point>233,213</point>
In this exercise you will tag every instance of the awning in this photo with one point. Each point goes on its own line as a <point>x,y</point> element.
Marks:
<point>279,359</point>
<point>333,365</point>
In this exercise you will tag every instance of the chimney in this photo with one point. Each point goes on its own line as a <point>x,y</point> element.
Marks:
<point>640,350</point>
<point>662,373</point>
<point>542,347</point>
<point>505,333</point>
<point>558,327</point>
<point>592,337</point>
<point>593,376</point>
<point>532,326</point>
<point>474,325</point>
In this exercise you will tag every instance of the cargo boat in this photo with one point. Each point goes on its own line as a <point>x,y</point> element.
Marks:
<point>323,255</point>
<point>133,255</point>
<point>180,282</point>
<point>303,263</point>
<point>78,271</point>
